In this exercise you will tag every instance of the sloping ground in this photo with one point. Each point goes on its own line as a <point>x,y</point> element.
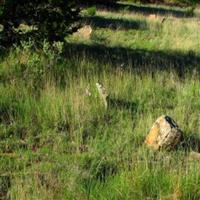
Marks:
<point>57,141</point>
<point>166,2</point>
<point>176,11</point>
<point>180,3</point>
<point>139,40</point>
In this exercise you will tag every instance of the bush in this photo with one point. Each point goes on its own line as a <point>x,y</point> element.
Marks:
<point>91,11</point>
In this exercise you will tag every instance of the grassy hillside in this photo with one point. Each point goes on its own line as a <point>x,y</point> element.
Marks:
<point>169,2</point>
<point>57,139</point>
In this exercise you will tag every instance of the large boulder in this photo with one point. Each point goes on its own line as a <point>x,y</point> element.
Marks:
<point>164,134</point>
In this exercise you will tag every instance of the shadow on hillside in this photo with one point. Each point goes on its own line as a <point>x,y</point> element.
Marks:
<point>140,60</point>
<point>5,186</point>
<point>122,104</point>
<point>101,22</point>
<point>3,52</point>
<point>191,142</point>
<point>145,9</point>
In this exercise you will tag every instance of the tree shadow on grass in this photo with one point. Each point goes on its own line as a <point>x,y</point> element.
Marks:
<point>101,22</point>
<point>146,10</point>
<point>139,60</point>
<point>3,52</point>
<point>122,104</point>
<point>191,142</point>
<point>5,184</point>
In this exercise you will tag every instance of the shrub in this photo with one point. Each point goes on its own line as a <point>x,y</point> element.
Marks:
<point>91,11</point>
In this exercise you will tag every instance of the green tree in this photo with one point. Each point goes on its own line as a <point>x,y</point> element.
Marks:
<point>46,19</point>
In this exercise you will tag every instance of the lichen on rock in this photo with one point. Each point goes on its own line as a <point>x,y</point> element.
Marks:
<point>164,134</point>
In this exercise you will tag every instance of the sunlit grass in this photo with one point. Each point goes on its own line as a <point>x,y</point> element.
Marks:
<point>153,33</point>
<point>57,140</point>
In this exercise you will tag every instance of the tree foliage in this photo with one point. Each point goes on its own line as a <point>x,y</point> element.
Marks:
<point>43,19</point>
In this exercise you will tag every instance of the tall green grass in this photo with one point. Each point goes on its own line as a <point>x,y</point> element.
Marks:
<point>136,31</point>
<point>59,143</point>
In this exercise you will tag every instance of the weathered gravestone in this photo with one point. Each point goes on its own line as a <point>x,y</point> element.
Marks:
<point>85,32</point>
<point>164,134</point>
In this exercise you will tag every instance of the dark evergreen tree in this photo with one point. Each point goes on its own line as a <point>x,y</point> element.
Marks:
<point>49,19</point>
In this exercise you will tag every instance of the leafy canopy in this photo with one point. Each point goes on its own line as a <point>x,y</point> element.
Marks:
<point>39,19</point>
